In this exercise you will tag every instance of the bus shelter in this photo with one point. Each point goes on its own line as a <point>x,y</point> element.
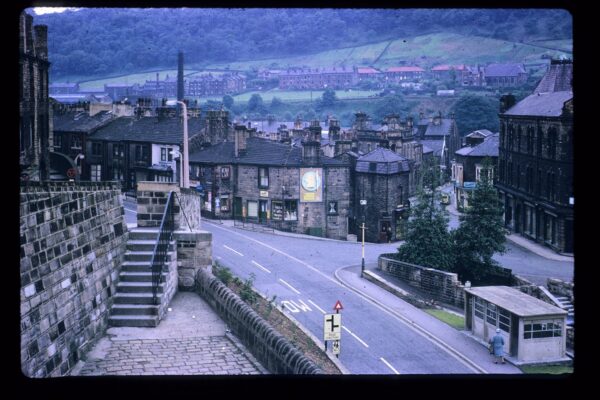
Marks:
<point>533,330</point>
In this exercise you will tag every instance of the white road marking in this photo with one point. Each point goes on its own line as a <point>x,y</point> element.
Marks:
<point>389,365</point>
<point>260,266</point>
<point>296,307</point>
<point>288,285</point>
<point>236,252</point>
<point>318,308</point>
<point>424,333</point>
<point>356,337</point>
<point>281,252</point>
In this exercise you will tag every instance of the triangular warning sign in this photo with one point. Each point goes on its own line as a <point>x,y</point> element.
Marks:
<point>338,306</point>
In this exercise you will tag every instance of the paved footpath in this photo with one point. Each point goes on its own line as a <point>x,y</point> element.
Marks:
<point>190,340</point>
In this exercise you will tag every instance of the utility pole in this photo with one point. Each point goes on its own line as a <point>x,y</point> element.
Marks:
<point>362,268</point>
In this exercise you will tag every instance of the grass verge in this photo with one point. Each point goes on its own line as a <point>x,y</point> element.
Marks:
<point>547,369</point>
<point>451,319</point>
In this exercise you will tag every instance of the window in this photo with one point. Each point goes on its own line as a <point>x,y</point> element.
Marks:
<point>225,173</point>
<point>118,151</point>
<point>117,174</point>
<point>277,210</point>
<point>552,138</point>
<point>263,178</point>
<point>372,166</point>
<point>519,132</point>
<point>75,142</point>
<point>141,154</point>
<point>96,148</point>
<point>491,314</point>
<point>225,203</point>
<point>252,208</point>
<point>290,210</point>
<point>542,329</point>
<point>479,307</point>
<point>530,134</point>
<point>539,141</point>
<point>95,172</point>
<point>504,320</point>
<point>57,141</point>
<point>166,154</point>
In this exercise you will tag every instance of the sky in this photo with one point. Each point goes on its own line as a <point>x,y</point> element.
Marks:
<point>49,10</point>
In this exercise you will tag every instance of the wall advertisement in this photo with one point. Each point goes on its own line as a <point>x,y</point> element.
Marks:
<point>311,185</point>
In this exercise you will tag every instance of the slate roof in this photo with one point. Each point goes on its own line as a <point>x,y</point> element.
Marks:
<point>496,70</point>
<point>258,152</point>
<point>487,148</point>
<point>556,79</point>
<point>443,129</point>
<point>74,121</point>
<point>480,133</point>
<point>405,69</point>
<point>433,145</point>
<point>148,129</point>
<point>367,70</point>
<point>426,149</point>
<point>445,67</point>
<point>541,104</point>
<point>387,161</point>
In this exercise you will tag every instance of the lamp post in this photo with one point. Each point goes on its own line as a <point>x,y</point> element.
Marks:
<point>185,181</point>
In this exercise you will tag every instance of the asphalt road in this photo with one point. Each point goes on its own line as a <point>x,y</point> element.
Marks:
<point>300,273</point>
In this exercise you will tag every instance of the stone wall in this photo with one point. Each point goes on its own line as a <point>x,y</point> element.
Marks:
<point>194,251</point>
<point>189,202</point>
<point>273,350</point>
<point>440,285</point>
<point>151,200</point>
<point>73,239</point>
<point>561,288</point>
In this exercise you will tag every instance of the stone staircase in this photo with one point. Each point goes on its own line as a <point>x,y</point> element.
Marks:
<point>133,302</point>
<point>566,304</point>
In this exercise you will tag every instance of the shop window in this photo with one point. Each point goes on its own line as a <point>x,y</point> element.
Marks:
<point>252,209</point>
<point>118,151</point>
<point>290,210</point>
<point>276,210</point>
<point>166,154</point>
<point>224,203</point>
<point>75,142</point>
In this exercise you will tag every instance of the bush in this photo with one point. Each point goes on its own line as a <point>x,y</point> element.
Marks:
<point>246,293</point>
<point>223,273</point>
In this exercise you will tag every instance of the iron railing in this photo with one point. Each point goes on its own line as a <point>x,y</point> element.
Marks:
<point>161,248</point>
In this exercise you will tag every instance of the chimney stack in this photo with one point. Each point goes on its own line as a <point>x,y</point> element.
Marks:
<point>180,93</point>
<point>239,140</point>
<point>41,41</point>
<point>311,147</point>
<point>506,102</point>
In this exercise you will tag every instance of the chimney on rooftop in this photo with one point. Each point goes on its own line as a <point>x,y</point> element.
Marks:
<point>506,102</point>
<point>239,140</point>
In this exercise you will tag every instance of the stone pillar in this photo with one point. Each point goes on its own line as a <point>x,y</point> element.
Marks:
<point>194,251</point>
<point>151,200</point>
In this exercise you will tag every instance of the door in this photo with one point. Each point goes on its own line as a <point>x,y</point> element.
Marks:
<point>385,234</point>
<point>262,211</point>
<point>237,207</point>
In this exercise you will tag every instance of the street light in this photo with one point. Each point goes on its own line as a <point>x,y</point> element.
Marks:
<point>184,182</point>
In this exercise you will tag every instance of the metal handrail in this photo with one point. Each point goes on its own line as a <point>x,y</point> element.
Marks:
<point>161,248</point>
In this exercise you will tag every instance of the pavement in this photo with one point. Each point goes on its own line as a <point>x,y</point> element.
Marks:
<point>519,240</point>
<point>461,344</point>
<point>190,340</point>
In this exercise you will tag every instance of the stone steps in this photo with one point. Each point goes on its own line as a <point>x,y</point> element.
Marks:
<point>141,321</point>
<point>133,300</point>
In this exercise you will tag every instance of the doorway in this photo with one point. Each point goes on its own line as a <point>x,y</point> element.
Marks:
<point>262,211</point>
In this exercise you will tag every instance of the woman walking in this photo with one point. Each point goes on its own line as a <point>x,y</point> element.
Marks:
<point>497,344</point>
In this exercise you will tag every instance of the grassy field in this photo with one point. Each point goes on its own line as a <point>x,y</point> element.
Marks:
<point>451,319</point>
<point>424,50</point>
<point>292,95</point>
<point>547,369</point>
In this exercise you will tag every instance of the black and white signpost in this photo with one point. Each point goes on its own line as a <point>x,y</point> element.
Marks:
<point>332,328</point>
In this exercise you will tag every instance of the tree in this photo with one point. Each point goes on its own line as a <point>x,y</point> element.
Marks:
<point>328,98</point>
<point>481,233</point>
<point>428,242</point>
<point>474,112</point>
<point>276,104</point>
<point>255,104</point>
<point>228,101</point>
<point>391,104</point>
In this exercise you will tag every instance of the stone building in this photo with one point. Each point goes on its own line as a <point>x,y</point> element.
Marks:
<point>35,135</point>
<point>441,135</point>
<point>381,192</point>
<point>500,75</point>
<point>139,148</point>
<point>466,168</point>
<point>535,165</point>
<point>402,74</point>
<point>318,78</point>
<point>289,187</point>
